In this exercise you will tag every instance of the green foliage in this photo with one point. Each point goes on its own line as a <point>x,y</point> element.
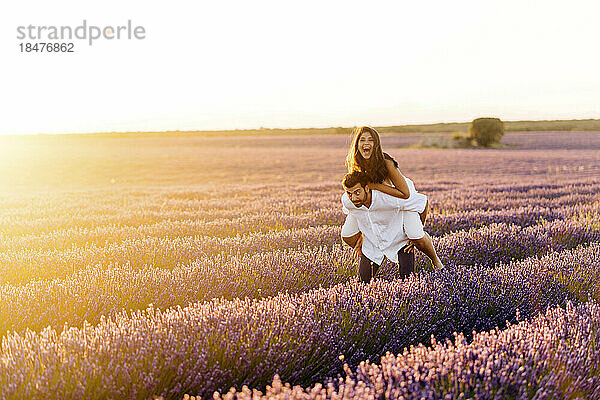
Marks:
<point>509,126</point>
<point>456,141</point>
<point>486,131</point>
<point>459,135</point>
<point>442,127</point>
<point>342,131</point>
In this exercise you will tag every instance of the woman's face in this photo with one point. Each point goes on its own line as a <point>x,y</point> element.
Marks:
<point>366,143</point>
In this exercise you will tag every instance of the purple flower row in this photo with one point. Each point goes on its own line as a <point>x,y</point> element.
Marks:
<point>169,245</point>
<point>497,243</point>
<point>168,273</point>
<point>437,224</point>
<point>163,252</point>
<point>440,224</point>
<point>35,217</point>
<point>104,290</point>
<point>554,356</point>
<point>218,344</point>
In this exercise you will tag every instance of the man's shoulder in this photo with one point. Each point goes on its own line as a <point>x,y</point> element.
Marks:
<point>376,196</point>
<point>384,200</point>
<point>346,201</point>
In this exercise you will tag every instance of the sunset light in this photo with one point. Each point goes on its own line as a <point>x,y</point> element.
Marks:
<point>300,200</point>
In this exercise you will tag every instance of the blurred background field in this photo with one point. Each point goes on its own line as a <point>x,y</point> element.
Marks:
<point>112,162</point>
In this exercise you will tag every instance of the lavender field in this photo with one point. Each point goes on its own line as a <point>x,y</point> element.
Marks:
<point>140,267</point>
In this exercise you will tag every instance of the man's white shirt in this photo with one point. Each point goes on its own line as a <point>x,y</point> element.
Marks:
<point>382,224</point>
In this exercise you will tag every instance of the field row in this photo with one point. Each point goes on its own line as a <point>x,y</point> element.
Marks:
<point>437,225</point>
<point>217,344</point>
<point>128,212</point>
<point>496,242</point>
<point>104,290</point>
<point>553,356</point>
<point>177,275</point>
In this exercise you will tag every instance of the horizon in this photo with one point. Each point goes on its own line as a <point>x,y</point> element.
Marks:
<point>296,128</point>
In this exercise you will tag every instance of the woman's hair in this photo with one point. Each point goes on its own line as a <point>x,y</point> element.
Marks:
<point>374,167</point>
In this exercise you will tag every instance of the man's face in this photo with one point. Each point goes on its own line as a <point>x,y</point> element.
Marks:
<point>358,195</point>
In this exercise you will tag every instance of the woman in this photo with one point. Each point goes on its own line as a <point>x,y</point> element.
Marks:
<point>366,155</point>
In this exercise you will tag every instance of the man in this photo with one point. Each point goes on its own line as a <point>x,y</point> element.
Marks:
<point>378,218</point>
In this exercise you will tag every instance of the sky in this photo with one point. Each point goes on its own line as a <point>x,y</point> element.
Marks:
<point>210,65</point>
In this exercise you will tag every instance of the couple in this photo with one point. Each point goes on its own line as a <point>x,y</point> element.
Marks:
<point>385,213</point>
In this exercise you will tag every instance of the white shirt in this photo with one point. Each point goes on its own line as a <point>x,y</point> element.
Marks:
<point>382,224</point>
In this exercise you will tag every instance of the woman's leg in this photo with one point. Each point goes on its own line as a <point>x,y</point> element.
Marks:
<point>423,215</point>
<point>425,244</point>
<point>422,241</point>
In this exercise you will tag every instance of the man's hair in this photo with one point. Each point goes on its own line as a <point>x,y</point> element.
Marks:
<point>355,177</point>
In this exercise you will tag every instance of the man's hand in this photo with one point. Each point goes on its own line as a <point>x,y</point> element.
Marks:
<point>410,247</point>
<point>357,248</point>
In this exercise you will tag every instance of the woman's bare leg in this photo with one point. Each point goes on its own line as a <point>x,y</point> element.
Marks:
<point>423,215</point>
<point>425,244</point>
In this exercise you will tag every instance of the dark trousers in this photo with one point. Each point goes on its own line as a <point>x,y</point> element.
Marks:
<point>368,268</point>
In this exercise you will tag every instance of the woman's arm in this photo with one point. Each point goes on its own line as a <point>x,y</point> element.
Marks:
<point>400,188</point>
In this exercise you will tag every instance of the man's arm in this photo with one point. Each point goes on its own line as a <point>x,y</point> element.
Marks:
<point>351,234</point>
<point>350,230</point>
<point>352,240</point>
